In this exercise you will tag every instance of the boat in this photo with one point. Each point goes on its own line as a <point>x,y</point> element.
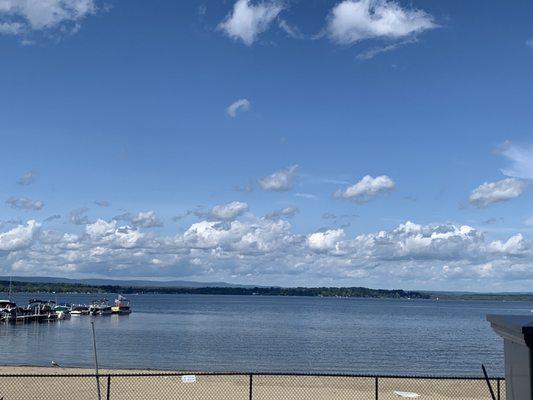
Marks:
<point>9,311</point>
<point>79,309</point>
<point>100,307</point>
<point>42,310</point>
<point>6,305</point>
<point>62,311</point>
<point>122,306</point>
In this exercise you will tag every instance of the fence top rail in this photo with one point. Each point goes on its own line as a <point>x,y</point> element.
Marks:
<point>257,374</point>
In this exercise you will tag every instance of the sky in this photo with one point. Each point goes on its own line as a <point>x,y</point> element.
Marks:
<point>375,143</point>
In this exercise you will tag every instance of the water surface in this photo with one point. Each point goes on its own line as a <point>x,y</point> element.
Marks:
<point>256,333</point>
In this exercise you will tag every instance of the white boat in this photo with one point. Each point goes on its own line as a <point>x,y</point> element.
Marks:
<point>100,307</point>
<point>62,311</point>
<point>6,305</point>
<point>79,309</point>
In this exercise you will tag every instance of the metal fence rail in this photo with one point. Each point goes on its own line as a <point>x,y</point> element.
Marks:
<point>245,386</point>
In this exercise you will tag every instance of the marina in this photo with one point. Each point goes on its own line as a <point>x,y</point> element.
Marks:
<point>48,311</point>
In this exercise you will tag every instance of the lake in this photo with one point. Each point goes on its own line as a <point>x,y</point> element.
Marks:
<point>276,334</point>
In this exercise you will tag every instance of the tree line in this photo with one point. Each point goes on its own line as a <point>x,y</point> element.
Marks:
<point>43,287</point>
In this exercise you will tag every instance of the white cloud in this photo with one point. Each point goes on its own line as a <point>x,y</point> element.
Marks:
<point>257,238</point>
<point>514,245</point>
<point>101,228</point>
<point>228,211</point>
<point>496,192</point>
<point>326,240</point>
<point>521,158</point>
<point>106,236</point>
<point>264,251</point>
<point>247,20</point>
<point>22,17</point>
<point>148,219</point>
<point>19,237</point>
<point>366,188</point>
<point>351,21</point>
<point>287,212</point>
<point>281,180</point>
<point>28,178</point>
<point>237,106</point>
<point>24,203</point>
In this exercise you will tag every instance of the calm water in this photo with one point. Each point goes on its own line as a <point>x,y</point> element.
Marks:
<point>245,333</point>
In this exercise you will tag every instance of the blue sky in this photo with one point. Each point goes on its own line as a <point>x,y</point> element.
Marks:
<point>350,118</point>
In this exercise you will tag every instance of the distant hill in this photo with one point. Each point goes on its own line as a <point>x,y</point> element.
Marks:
<point>117,282</point>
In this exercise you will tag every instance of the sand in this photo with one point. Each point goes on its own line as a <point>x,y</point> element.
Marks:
<point>225,387</point>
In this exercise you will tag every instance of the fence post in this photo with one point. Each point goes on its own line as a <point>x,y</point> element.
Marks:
<point>498,386</point>
<point>108,386</point>
<point>376,386</point>
<point>250,387</point>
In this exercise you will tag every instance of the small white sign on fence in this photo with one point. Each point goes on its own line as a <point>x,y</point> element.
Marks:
<point>188,378</point>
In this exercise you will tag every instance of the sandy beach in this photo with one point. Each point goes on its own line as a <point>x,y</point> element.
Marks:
<point>224,387</point>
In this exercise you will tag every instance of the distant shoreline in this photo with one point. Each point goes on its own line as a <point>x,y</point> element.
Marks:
<point>332,292</point>
<point>359,292</point>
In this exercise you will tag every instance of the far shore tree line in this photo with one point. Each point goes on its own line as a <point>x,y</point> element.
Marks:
<point>354,292</point>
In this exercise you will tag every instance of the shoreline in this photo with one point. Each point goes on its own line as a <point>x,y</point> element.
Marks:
<point>28,369</point>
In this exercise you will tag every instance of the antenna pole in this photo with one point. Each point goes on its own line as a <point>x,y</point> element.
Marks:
<point>96,363</point>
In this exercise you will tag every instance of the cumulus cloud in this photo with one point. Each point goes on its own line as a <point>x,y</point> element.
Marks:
<point>228,211</point>
<point>326,240</point>
<point>266,251</point>
<point>103,234</point>
<point>24,203</point>
<point>257,238</point>
<point>238,106</point>
<point>351,21</point>
<point>281,180</point>
<point>19,237</point>
<point>367,188</point>
<point>147,219</point>
<point>28,178</point>
<point>23,17</point>
<point>515,245</point>
<point>521,161</point>
<point>496,192</point>
<point>247,21</point>
<point>287,212</point>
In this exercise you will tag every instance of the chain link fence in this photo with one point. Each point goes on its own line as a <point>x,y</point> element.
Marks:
<point>244,386</point>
